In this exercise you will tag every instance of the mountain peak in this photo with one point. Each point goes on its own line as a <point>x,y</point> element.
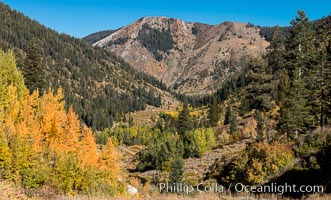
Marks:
<point>191,58</point>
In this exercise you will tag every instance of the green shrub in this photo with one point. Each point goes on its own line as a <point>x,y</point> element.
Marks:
<point>67,173</point>
<point>36,175</point>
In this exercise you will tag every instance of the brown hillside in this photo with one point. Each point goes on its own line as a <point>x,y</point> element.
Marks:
<point>194,59</point>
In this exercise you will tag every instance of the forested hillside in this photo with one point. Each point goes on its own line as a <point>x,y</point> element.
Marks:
<point>100,86</point>
<point>268,122</point>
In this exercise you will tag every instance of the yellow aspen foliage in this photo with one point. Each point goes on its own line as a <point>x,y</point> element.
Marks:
<point>10,75</point>
<point>72,131</point>
<point>53,120</point>
<point>5,155</point>
<point>41,144</point>
<point>267,159</point>
<point>109,159</point>
<point>33,122</point>
<point>88,153</point>
<point>12,112</point>
<point>205,139</point>
<point>67,173</point>
<point>21,152</point>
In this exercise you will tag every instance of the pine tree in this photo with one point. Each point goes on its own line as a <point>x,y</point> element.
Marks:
<point>261,128</point>
<point>33,69</point>
<point>233,124</point>
<point>296,113</point>
<point>260,86</point>
<point>276,50</point>
<point>228,115</point>
<point>214,112</point>
<point>184,121</point>
<point>176,173</point>
<point>276,62</point>
<point>323,78</point>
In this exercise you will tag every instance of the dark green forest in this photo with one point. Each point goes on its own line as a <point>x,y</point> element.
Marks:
<point>155,40</point>
<point>100,86</point>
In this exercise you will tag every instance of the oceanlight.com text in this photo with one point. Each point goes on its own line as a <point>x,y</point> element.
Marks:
<point>279,189</point>
<point>239,187</point>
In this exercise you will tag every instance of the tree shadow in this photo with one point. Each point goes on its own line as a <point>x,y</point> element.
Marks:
<point>302,178</point>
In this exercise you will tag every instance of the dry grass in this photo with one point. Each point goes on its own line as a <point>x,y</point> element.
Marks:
<point>8,191</point>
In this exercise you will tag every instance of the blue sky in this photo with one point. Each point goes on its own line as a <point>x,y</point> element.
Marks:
<point>81,17</point>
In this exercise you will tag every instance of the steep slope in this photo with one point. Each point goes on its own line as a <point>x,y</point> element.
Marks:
<point>192,58</point>
<point>94,37</point>
<point>101,86</point>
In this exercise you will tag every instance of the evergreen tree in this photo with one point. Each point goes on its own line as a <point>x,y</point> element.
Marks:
<point>260,86</point>
<point>297,111</point>
<point>261,128</point>
<point>228,115</point>
<point>323,157</point>
<point>191,147</point>
<point>276,50</point>
<point>323,78</point>
<point>214,112</point>
<point>33,69</point>
<point>276,61</point>
<point>233,124</point>
<point>184,121</point>
<point>176,173</point>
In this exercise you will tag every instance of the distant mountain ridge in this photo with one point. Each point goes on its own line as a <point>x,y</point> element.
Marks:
<point>94,37</point>
<point>191,58</point>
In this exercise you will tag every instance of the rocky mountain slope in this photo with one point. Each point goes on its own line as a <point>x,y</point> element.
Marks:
<point>192,58</point>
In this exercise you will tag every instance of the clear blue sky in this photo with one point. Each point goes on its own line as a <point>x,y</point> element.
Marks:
<point>81,17</point>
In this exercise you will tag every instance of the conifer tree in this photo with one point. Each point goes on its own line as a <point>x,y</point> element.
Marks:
<point>233,124</point>
<point>296,114</point>
<point>261,128</point>
<point>276,50</point>
<point>176,173</point>
<point>214,112</point>
<point>228,115</point>
<point>323,78</point>
<point>260,86</point>
<point>184,122</point>
<point>276,61</point>
<point>33,69</point>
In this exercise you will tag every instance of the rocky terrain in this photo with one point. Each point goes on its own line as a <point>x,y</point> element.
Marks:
<point>192,58</point>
